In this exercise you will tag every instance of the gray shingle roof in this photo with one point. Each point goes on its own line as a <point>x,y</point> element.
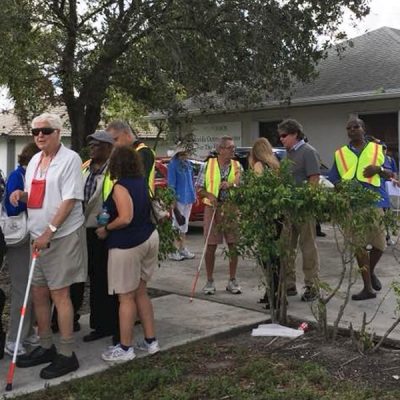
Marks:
<point>370,63</point>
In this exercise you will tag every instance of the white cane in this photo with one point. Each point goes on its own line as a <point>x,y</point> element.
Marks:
<point>196,278</point>
<point>11,370</point>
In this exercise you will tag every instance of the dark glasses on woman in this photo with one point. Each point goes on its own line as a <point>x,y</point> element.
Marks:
<point>45,131</point>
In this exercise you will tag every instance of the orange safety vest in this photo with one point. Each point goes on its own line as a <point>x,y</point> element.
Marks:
<point>213,177</point>
<point>351,166</point>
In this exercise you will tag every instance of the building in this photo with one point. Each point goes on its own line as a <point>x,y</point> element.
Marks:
<point>364,81</point>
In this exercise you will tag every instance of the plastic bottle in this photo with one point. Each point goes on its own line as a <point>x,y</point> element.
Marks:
<point>103,217</point>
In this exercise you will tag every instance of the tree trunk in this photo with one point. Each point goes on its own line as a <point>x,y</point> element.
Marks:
<point>76,113</point>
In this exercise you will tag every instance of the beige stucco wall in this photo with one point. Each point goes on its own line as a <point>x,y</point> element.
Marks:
<point>324,124</point>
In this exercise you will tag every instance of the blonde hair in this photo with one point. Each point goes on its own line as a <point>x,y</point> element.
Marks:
<point>262,152</point>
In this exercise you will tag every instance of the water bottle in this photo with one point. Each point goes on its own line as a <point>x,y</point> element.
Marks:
<point>103,217</point>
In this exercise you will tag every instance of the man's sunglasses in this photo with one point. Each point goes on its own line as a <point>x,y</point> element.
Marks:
<point>283,135</point>
<point>45,131</point>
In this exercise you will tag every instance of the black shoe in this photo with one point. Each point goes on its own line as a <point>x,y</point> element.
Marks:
<point>95,335</point>
<point>2,344</point>
<point>310,294</point>
<point>376,283</point>
<point>363,295</point>
<point>37,356</point>
<point>60,366</point>
<point>291,291</point>
<point>321,234</point>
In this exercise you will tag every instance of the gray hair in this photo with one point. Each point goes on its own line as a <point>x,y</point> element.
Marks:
<point>120,126</point>
<point>52,119</point>
<point>222,141</point>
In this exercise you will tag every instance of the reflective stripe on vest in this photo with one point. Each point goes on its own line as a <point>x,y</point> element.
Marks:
<point>213,177</point>
<point>152,175</point>
<point>351,166</point>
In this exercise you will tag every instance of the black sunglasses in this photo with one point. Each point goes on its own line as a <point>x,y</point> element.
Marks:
<point>283,135</point>
<point>45,131</point>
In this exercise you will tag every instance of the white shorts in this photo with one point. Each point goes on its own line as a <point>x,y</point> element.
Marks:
<point>185,210</point>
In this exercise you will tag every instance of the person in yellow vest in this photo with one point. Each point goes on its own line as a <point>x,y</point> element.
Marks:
<point>363,160</point>
<point>217,176</point>
<point>123,135</point>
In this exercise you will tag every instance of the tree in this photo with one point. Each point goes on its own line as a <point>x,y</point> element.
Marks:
<point>159,52</point>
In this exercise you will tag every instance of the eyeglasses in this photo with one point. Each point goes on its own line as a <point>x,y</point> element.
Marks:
<point>45,131</point>
<point>353,127</point>
<point>229,147</point>
<point>283,135</point>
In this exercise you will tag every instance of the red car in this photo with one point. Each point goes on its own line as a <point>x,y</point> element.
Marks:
<point>161,180</point>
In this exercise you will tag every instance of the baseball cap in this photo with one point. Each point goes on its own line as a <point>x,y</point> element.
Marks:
<point>101,136</point>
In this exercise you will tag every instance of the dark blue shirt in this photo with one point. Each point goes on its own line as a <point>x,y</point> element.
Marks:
<point>384,201</point>
<point>141,227</point>
<point>15,182</point>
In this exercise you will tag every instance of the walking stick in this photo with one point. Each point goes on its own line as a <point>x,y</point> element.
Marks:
<point>11,369</point>
<point>196,278</point>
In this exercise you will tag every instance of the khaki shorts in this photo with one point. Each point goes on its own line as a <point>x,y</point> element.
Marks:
<point>220,228</point>
<point>126,267</point>
<point>63,263</point>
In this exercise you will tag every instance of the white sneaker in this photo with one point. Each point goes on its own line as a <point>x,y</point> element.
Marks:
<point>32,340</point>
<point>209,288</point>
<point>10,347</point>
<point>151,348</point>
<point>185,253</point>
<point>118,354</point>
<point>176,256</point>
<point>233,287</point>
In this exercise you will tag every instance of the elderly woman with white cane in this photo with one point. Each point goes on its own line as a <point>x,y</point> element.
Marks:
<point>54,194</point>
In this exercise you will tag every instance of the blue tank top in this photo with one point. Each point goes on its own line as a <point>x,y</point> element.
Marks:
<point>141,227</point>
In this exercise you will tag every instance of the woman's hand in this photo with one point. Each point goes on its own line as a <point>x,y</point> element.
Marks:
<point>101,232</point>
<point>18,195</point>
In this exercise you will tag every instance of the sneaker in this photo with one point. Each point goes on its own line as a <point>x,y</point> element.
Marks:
<point>209,288</point>
<point>309,294</point>
<point>32,340</point>
<point>151,348</point>
<point>291,291</point>
<point>61,365</point>
<point>185,253</point>
<point>118,354</point>
<point>176,256</point>
<point>10,347</point>
<point>233,286</point>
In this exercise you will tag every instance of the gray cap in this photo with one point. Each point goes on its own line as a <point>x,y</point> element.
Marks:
<point>101,136</point>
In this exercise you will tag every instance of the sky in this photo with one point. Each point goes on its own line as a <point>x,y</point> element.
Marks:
<point>383,13</point>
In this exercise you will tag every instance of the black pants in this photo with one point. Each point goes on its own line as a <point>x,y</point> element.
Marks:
<point>103,307</point>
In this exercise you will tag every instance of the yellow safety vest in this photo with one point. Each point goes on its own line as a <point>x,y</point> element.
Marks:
<point>351,166</point>
<point>108,183</point>
<point>151,181</point>
<point>213,177</point>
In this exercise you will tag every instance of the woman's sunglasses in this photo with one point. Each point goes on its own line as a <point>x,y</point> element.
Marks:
<point>45,131</point>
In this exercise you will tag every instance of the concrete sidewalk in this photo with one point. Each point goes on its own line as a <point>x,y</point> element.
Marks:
<point>178,321</point>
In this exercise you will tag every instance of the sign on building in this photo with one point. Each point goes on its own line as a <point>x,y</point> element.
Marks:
<point>208,134</point>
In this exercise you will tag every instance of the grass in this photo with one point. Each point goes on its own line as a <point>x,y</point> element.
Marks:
<point>214,370</point>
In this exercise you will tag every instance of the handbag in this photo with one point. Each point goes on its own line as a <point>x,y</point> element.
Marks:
<point>158,212</point>
<point>15,228</point>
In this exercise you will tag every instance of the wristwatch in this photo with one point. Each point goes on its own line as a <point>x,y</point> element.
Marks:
<point>53,228</point>
<point>382,169</point>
